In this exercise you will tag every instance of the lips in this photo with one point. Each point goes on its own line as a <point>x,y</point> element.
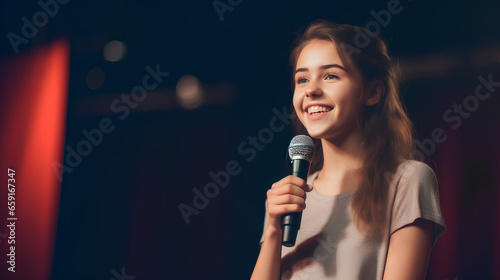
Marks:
<point>318,109</point>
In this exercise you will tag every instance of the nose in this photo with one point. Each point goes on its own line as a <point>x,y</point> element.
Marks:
<point>314,90</point>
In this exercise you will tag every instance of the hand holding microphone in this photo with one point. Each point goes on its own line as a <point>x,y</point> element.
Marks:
<point>286,198</point>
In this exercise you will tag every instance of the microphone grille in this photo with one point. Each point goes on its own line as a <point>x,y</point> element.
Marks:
<point>301,147</point>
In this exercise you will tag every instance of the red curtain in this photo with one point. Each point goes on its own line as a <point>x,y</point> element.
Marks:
<point>444,258</point>
<point>468,178</point>
<point>496,248</point>
<point>33,103</point>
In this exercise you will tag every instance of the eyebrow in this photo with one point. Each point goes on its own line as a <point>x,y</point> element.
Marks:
<point>321,67</point>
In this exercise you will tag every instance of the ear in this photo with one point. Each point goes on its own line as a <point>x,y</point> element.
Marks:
<point>376,91</point>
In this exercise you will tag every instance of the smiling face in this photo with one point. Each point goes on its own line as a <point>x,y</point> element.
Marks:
<point>326,96</point>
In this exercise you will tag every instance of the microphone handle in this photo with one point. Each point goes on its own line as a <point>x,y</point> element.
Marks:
<point>290,223</point>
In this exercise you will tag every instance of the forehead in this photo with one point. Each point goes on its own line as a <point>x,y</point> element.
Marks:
<point>318,52</point>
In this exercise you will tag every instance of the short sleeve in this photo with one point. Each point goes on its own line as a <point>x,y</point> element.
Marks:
<point>266,221</point>
<point>417,196</point>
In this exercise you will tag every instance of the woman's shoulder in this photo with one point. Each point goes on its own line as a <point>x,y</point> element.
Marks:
<point>412,169</point>
<point>416,196</point>
<point>417,175</point>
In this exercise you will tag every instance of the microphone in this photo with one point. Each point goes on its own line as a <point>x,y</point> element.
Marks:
<point>301,151</point>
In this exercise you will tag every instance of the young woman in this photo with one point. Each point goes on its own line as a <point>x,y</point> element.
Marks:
<point>372,211</point>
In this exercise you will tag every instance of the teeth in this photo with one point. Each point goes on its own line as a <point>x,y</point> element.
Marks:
<point>313,110</point>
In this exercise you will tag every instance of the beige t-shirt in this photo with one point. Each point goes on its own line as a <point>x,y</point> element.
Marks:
<point>328,244</point>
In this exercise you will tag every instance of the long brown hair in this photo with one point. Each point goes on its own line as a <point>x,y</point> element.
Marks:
<point>387,130</point>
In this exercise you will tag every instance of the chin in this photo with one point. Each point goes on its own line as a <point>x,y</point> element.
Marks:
<point>323,132</point>
<point>318,134</point>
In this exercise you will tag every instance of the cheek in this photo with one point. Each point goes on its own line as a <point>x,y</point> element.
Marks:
<point>349,97</point>
<point>296,102</point>
<point>350,110</point>
<point>297,105</point>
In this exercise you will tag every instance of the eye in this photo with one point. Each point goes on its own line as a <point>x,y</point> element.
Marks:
<point>331,76</point>
<point>301,80</point>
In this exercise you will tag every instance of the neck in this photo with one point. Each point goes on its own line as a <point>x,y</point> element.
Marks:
<point>342,163</point>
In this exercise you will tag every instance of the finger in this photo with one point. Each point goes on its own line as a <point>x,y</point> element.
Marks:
<point>278,210</point>
<point>298,182</point>
<point>289,208</point>
<point>288,199</point>
<point>290,179</point>
<point>287,189</point>
<point>294,180</point>
<point>276,200</point>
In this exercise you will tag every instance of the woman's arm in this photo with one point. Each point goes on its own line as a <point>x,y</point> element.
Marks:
<point>286,196</point>
<point>409,251</point>
<point>268,264</point>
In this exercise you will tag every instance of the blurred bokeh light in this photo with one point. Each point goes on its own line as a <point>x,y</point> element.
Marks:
<point>114,51</point>
<point>189,92</point>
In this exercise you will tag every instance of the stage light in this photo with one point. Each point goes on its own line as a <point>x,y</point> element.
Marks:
<point>189,92</point>
<point>114,51</point>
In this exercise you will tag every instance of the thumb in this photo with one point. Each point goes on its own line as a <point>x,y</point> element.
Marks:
<point>310,187</point>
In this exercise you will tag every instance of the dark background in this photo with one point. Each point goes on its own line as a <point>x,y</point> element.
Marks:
<point>119,207</point>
